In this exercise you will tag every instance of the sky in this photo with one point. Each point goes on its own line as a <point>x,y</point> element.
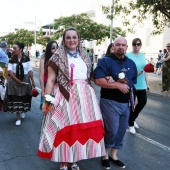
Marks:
<point>23,13</point>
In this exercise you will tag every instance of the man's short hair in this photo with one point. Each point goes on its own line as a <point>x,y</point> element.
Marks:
<point>3,44</point>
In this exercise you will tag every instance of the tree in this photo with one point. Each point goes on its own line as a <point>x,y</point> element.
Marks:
<point>139,10</point>
<point>42,39</point>
<point>88,29</point>
<point>26,37</point>
<point>21,35</point>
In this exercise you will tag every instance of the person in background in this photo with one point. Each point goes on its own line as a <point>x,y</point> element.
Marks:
<point>159,63</point>
<point>70,124</point>
<point>4,58</point>
<point>164,52</point>
<point>9,52</point>
<point>43,53</point>
<point>43,75</point>
<point>88,52</point>
<point>166,70</point>
<point>103,55</point>
<point>20,83</point>
<point>92,58</point>
<point>109,49</point>
<point>115,98</point>
<point>141,85</point>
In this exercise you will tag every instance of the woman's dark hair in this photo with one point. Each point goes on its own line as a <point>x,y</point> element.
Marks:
<point>20,45</point>
<point>48,52</point>
<point>135,40</point>
<point>108,49</point>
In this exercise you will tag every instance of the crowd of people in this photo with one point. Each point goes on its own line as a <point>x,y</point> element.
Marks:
<point>74,115</point>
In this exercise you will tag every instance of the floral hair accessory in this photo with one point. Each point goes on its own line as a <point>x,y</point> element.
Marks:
<point>49,100</point>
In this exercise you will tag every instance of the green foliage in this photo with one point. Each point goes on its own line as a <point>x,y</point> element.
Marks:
<point>41,39</point>
<point>139,10</point>
<point>21,35</point>
<point>88,29</point>
<point>26,37</point>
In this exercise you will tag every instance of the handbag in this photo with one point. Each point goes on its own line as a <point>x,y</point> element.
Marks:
<point>149,68</point>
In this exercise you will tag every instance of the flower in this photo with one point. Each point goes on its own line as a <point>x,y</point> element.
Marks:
<point>121,75</point>
<point>49,98</point>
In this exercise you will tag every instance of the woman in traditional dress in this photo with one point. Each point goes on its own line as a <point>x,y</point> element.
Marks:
<point>20,83</point>
<point>43,76</point>
<point>69,128</point>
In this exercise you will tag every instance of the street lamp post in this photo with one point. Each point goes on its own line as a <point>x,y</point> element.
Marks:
<point>111,25</point>
<point>35,37</point>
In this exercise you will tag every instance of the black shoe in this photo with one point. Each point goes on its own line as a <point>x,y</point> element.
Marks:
<point>118,163</point>
<point>105,164</point>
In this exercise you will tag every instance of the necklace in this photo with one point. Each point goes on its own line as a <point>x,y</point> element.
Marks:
<point>75,55</point>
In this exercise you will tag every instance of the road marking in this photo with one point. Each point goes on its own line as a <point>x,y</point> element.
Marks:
<point>152,141</point>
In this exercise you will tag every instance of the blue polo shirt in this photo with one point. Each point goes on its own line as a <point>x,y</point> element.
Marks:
<point>3,56</point>
<point>112,66</point>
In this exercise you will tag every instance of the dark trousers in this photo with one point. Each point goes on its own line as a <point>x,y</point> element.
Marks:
<point>141,102</point>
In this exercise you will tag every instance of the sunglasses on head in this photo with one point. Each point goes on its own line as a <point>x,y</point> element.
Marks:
<point>54,47</point>
<point>136,44</point>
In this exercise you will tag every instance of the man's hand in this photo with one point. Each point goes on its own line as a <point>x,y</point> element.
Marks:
<point>124,88</point>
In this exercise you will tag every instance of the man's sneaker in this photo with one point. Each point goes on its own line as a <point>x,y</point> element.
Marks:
<point>136,125</point>
<point>132,129</point>
<point>117,163</point>
<point>105,164</point>
<point>22,115</point>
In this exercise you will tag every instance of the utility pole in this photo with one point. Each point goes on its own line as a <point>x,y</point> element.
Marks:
<point>35,43</point>
<point>35,37</point>
<point>111,25</point>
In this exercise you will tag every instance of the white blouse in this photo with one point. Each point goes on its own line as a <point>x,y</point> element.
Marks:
<point>26,65</point>
<point>79,70</point>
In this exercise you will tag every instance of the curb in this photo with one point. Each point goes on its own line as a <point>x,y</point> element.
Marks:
<point>156,94</point>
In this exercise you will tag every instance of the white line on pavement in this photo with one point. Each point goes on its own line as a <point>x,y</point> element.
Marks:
<point>152,141</point>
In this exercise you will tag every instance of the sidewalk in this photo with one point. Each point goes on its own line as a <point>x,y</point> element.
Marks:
<point>154,81</point>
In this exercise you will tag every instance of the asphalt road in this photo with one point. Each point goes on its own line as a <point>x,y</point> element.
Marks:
<point>149,149</point>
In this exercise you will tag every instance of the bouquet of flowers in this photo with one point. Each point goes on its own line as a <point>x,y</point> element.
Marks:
<point>49,100</point>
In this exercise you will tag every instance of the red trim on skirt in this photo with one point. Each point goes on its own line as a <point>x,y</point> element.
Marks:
<point>78,132</point>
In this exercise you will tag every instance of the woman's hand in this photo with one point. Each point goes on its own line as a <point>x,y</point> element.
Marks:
<point>33,84</point>
<point>148,88</point>
<point>110,79</point>
<point>43,94</point>
<point>19,82</point>
<point>44,109</point>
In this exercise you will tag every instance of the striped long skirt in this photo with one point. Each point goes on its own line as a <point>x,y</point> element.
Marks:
<point>73,130</point>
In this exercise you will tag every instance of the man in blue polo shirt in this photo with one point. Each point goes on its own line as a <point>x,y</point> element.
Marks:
<point>3,56</point>
<point>115,97</point>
